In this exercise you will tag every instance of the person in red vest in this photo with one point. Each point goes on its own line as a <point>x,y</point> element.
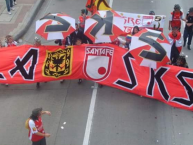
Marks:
<point>175,40</point>
<point>82,18</point>
<point>81,24</point>
<point>176,17</point>
<point>36,130</point>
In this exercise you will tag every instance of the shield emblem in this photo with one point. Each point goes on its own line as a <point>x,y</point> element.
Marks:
<point>98,62</point>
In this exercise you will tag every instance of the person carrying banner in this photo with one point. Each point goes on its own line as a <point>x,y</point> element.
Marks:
<point>81,25</point>
<point>181,61</point>
<point>76,34</point>
<point>176,17</point>
<point>9,42</point>
<point>135,30</point>
<point>188,31</point>
<point>36,130</point>
<point>128,41</point>
<point>175,40</point>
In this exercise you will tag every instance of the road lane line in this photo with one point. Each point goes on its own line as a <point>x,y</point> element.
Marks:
<point>90,116</point>
<point>111,3</point>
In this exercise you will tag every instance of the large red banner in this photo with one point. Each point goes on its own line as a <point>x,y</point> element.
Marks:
<point>103,63</point>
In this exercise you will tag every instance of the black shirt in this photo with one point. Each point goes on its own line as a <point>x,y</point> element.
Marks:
<point>190,20</point>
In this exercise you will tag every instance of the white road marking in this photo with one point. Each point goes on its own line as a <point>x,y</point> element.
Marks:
<point>90,116</point>
<point>111,3</point>
<point>62,127</point>
<point>64,123</point>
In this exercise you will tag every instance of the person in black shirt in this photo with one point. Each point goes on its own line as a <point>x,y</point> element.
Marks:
<point>76,35</point>
<point>188,31</point>
<point>181,62</point>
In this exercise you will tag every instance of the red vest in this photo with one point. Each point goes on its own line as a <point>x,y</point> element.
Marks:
<point>177,40</point>
<point>39,126</point>
<point>176,19</point>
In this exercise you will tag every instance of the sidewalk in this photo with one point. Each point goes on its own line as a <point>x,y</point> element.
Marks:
<point>9,24</point>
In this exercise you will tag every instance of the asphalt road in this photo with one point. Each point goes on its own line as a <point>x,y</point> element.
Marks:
<point>92,115</point>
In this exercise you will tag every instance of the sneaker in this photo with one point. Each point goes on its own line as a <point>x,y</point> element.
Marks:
<point>79,81</point>
<point>37,85</point>
<point>61,81</point>
<point>100,86</point>
<point>184,44</point>
<point>15,3</point>
<point>12,9</point>
<point>188,47</point>
<point>9,13</point>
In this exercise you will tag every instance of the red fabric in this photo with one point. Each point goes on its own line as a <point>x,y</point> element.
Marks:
<point>103,63</point>
<point>39,126</point>
<point>176,20</point>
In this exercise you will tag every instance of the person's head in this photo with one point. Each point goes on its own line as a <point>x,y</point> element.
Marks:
<point>9,39</point>
<point>37,42</point>
<point>181,61</point>
<point>177,7</point>
<point>191,11</point>
<point>175,30</point>
<point>76,25</point>
<point>36,113</point>
<point>151,13</point>
<point>128,39</point>
<point>135,30</point>
<point>84,12</point>
<point>78,41</point>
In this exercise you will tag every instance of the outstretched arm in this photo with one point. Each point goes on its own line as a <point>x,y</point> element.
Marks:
<point>46,112</point>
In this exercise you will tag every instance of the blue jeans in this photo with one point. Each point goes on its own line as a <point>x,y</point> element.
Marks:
<point>9,4</point>
<point>188,34</point>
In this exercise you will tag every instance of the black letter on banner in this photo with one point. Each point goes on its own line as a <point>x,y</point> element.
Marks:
<point>181,76</point>
<point>158,77</point>
<point>108,22</point>
<point>32,55</point>
<point>63,26</point>
<point>128,64</point>
<point>2,77</point>
<point>145,37</point>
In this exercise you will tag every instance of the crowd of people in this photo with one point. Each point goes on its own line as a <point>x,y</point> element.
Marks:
<point>174,37</point>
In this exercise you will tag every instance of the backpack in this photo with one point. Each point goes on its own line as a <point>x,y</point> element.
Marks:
<point>27,123</point>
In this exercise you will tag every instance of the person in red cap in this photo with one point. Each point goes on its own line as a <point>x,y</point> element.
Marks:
<point>36,130</point>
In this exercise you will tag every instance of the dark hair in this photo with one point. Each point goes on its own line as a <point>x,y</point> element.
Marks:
<point>175,28</point>
<point>35,114</point>
<point>76,24</point>
<point>182,58</point>
<point>78,39</point>
<point>84,11</point>
<point>136,27</point>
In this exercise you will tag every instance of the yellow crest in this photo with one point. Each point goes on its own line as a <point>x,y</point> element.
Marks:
<point>58,63</point>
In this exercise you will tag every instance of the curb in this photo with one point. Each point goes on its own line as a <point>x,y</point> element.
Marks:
<point>26,24</point>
